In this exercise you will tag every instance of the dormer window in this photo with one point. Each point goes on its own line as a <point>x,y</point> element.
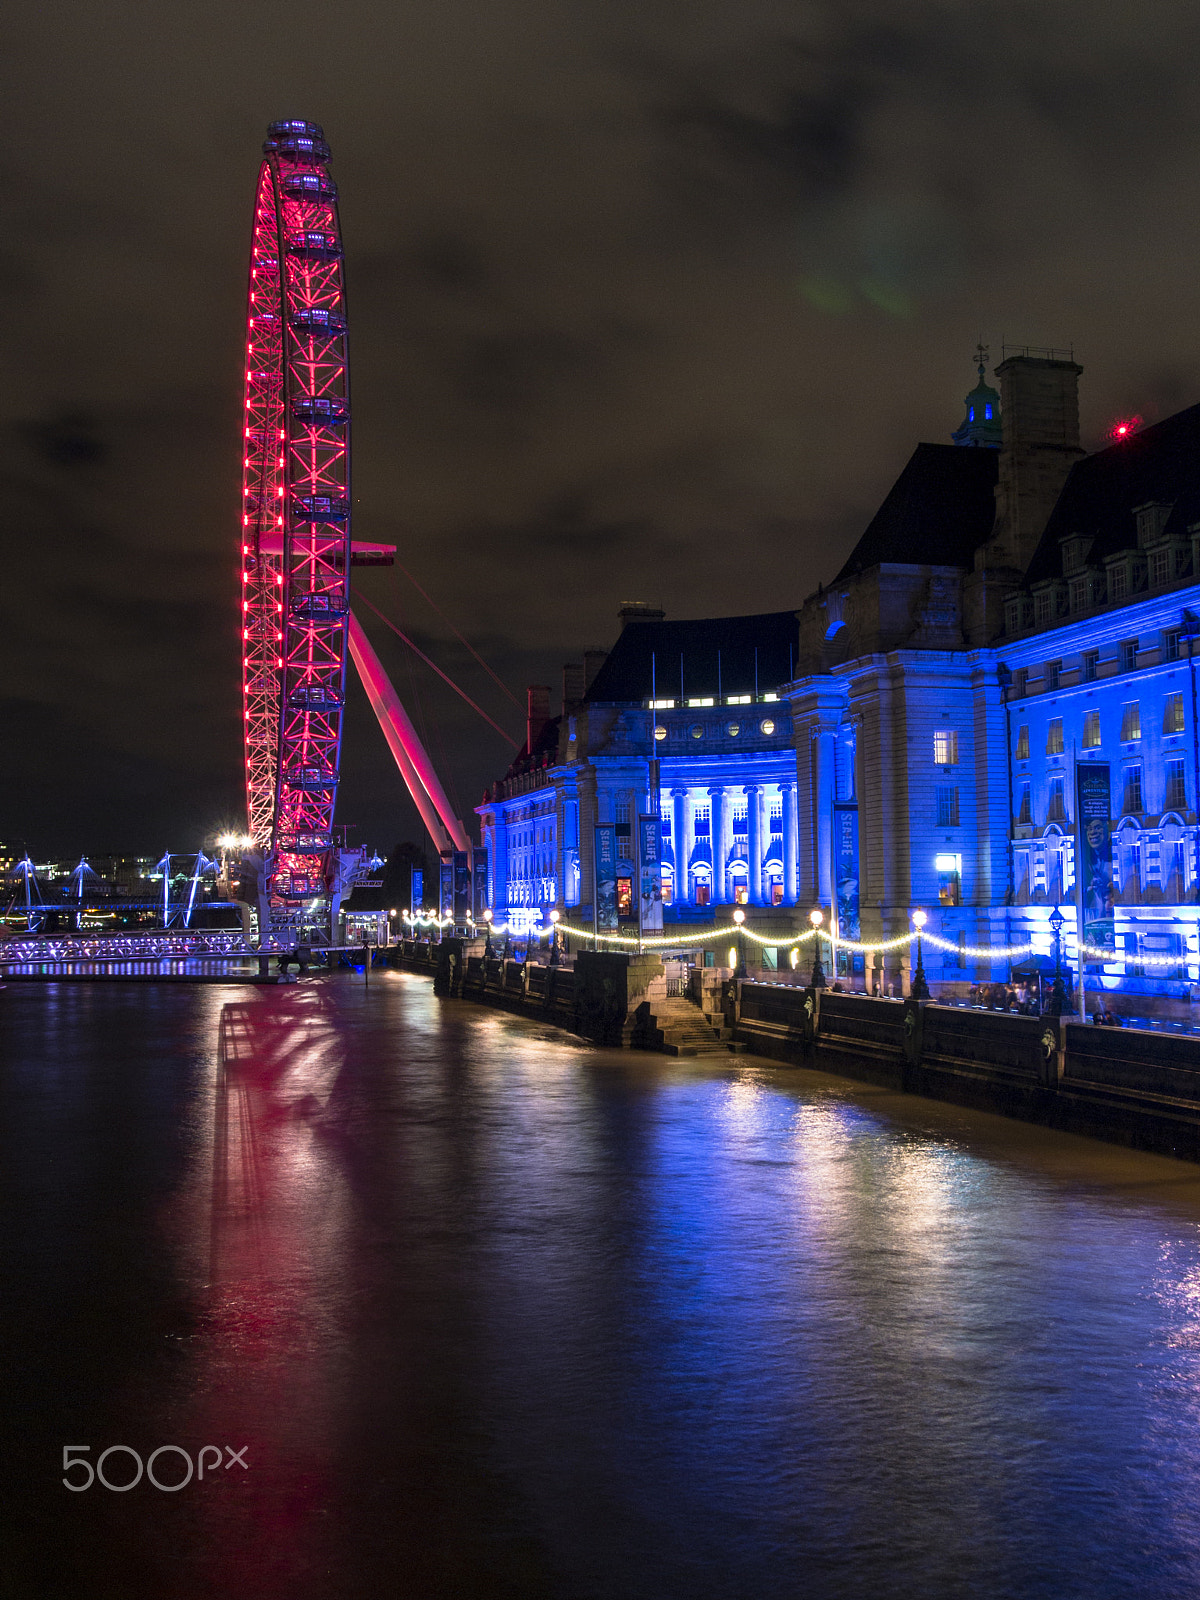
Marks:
<point>1151,520</point>
<point>1074,553</point>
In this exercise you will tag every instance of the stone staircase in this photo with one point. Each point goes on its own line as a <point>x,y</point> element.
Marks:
<point>678,1028</point>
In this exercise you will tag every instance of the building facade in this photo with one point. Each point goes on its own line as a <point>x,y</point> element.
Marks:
<point>911,735</point>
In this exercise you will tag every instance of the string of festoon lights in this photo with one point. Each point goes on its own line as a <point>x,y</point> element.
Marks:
<point>737,929</point>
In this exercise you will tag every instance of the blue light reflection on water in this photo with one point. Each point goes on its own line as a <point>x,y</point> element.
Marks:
<point>506,1315</point>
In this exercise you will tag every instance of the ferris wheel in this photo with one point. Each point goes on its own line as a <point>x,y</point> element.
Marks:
<point>295,544</point>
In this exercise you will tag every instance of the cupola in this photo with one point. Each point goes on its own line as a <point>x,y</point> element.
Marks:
<point>981,425</point>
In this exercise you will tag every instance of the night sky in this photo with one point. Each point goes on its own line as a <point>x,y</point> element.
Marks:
<point>647,301</point>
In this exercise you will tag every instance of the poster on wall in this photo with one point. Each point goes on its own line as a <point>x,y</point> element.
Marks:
<point>845,863</point>
<point>417,897</point>
<point>462,886</point>
<point>649,838</point>
<point>479,866</point>
<point>1093,807</point>
<point>606,879</point>
<point>446,889</point>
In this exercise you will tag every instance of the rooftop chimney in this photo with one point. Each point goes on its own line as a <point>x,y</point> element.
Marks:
<point>1039,412</point>
<point>638,611</point>
<point>593,660</point>
<point>539,713</point>
<point>573,683</point>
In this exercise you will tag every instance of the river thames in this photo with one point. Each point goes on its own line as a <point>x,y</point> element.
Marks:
<point>482,1311</point>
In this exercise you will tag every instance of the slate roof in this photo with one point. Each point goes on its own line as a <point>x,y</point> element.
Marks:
<point>1159,463</point>
<point>938,512</point>
<point>730,646</point>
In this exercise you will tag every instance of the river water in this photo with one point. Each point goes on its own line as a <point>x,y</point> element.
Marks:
<point>490,1313</point>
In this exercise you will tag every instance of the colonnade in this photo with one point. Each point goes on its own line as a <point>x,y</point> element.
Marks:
<point>723,805</point>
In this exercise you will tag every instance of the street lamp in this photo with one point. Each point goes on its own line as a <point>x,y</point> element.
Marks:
<point>487,933</point>
<point>739,916</point>
<point>920,989</point>
<point>816,916</point>
<point>1057,995</point>
<point>554,918</point>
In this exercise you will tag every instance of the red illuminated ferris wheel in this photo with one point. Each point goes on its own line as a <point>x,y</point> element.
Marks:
<point>296,511</point>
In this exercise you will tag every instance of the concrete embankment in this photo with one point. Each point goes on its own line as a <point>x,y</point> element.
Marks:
<point>1129,1086</point>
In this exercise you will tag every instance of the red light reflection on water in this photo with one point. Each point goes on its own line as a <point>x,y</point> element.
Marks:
<point>272,1281</point>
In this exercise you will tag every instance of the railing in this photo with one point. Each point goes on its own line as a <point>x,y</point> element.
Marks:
<point>122,947</point>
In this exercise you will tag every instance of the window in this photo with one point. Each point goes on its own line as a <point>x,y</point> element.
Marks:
<point>1025,814</point>
<point>1091,730</point>
<point>621,810</point>
<point>947,806</point>
<point>1118,583</point>
<point>1057,811</point>
<point>1129,650</point>
<point>1175,798</point>
<point>1133,789</point>
<point>1023,742</point>
<point>1021,682</point>
<point>700,822</point>
<point>949,876</point>
<point>1091,665</point>
<point>1050,674</point>
<point>1160,567</point>
<point>1043,606</point>
<point>1177,864</point>
<point>945,748</point>
<point>1173,713</point>
<point>1054,737</point>
<point>766,726</point>
<point>1170,644</point>
<point>1131,721</point>
<point>1078,594</point>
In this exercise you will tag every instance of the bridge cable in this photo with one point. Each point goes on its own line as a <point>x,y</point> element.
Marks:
<point>465,642</point>
<point>418,651</point>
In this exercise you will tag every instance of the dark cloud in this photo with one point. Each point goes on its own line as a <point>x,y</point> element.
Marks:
<point>647,300</point>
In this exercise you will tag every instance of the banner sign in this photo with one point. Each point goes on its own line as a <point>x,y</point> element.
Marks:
<point>649,849</point>
<point>845,864</point>
<point>606,879</point>
<point>462,886</point>
<point>479,865</point>
<point>417,898</point>
<point>1093,808</point>
<point>445,888</point>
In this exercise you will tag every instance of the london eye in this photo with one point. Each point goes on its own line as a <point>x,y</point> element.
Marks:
<point>296,512</point>
<point>296,549</point>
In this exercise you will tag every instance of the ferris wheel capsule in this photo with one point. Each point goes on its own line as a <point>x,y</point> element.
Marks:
<point>294,532</point>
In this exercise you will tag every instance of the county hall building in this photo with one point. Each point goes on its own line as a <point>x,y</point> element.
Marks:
<point>1013,630</point>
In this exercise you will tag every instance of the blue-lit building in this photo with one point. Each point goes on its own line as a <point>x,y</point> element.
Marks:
<point>908,736</point>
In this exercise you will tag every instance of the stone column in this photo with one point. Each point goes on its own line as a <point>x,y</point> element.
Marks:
<point>496,838</point>
<point>718,823</point>
<point>679,841</point>
<point>754,842</point>
<point>790,882</point>
<point>587,835</point>
<point>823,757</point>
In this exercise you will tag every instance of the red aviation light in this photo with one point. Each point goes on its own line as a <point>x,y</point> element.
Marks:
<point>1124,428</point>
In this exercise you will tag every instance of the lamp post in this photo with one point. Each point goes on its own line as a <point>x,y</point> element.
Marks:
<point>816,916</point>
<point>739,916</point>
<point>1057,994</point>
<point>487,933</point>
<point>554,916</point>
<point>919,989</point>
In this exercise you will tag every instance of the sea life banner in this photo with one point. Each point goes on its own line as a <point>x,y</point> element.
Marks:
<point>649,851</point>
<point>845,861</point>
<point>1093,821</point>
<point>606,878</point>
